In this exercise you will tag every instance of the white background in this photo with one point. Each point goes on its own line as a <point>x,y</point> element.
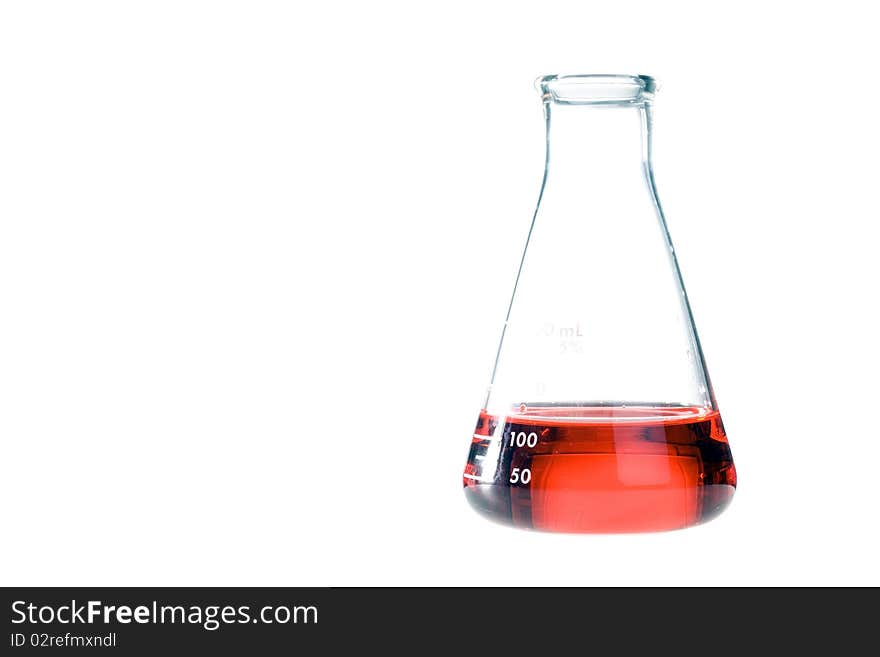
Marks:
<point>254,260</point>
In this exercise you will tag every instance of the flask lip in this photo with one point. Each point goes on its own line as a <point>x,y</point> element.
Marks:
<point>597,89</point>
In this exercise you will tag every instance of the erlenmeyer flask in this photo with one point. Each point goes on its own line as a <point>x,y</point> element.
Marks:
<point>600,416</point>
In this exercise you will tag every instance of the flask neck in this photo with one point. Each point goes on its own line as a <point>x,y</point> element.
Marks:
<point>596,145</point>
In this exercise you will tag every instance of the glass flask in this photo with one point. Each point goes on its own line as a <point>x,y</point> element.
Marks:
<point>600,416</point>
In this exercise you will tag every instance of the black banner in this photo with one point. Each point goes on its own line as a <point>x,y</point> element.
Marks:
<point>134,621</point>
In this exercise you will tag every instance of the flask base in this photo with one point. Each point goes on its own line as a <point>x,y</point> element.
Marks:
<point>593,468</point>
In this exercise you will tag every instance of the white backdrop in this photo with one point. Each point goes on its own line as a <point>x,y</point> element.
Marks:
<point>254,260</point>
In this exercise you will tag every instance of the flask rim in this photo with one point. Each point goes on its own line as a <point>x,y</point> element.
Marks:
<point>597,89</point>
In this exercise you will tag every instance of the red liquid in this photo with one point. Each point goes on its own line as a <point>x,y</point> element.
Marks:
<point>601,468</point>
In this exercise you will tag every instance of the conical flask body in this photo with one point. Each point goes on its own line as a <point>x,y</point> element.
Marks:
<point>600,416</point>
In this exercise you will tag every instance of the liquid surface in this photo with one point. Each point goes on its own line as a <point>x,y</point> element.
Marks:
<point>600,468</point>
